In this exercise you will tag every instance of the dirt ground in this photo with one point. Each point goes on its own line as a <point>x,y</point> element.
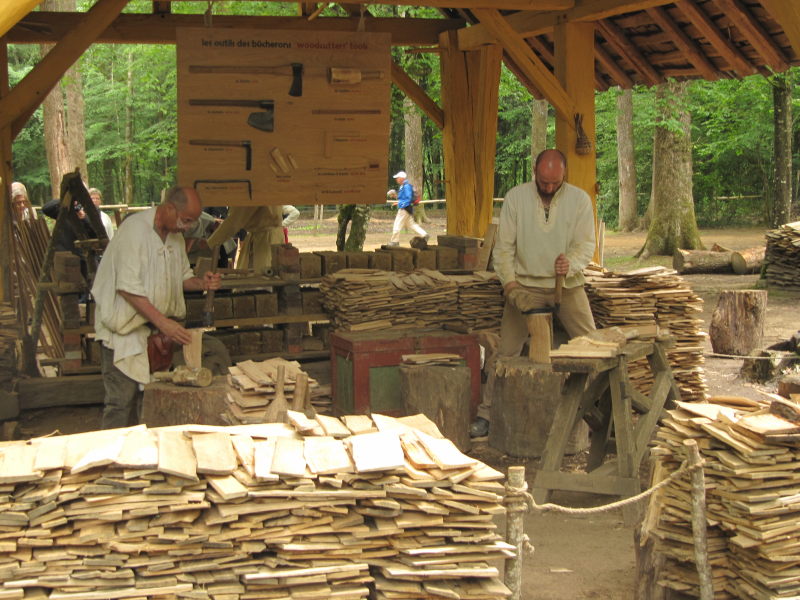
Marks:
<point>575,557</point>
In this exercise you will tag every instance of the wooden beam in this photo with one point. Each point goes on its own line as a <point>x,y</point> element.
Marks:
<point>754,33</point>
<point>527,61</point>
<point>6,174</point>
<point>684,43</point>
<point>471,4</point>
<point>615,36</point>
<point>412,89</point>
<point>530,23</point>
<point>523,79</point>
<point>546,53</point>
<point>49,28</point>
<point>787,14</point>
<point>160,7</point>
<point>727,50</point>
<point>31,91</point>
<point>611,67</point>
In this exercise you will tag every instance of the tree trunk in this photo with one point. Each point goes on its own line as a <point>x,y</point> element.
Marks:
<point>413,146</point>
<point>701,261</point>
<point>737,325</point>
<point>128,165</point>
<point>357,216</point>
<point>626,162</point>
<point>538,129</point>
<point>673,223</point>
<point>782,132</point>
<point>748,261</point>
<point>60,119</point>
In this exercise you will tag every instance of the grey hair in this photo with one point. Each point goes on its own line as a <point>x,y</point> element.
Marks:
<point>176,196</point>
<point>96,191</point>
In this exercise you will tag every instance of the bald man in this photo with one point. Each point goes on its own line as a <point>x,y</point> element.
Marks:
<point>546,229</point>
<point>138,290</point>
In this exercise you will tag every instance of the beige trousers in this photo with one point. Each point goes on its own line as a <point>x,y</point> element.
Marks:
<point>404,220</point>
<point>575,316</point>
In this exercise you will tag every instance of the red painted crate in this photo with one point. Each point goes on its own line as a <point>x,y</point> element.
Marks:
<point>364,366</point>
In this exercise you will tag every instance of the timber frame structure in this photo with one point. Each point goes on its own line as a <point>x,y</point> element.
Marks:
<point>561,50</point>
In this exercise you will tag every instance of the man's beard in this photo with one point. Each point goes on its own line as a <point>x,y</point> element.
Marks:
<point>545,196</point>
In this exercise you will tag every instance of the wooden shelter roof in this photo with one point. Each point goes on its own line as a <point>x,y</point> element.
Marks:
<point>636,41</point>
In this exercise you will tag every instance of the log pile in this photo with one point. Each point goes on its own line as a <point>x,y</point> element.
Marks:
<point>252,389</point>
<point>752,465</point>
<point>654,295</point>
<point>249,512</point>
<point>783,256</point>
<point>365,299</point>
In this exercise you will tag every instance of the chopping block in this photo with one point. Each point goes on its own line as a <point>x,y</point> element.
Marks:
<point>167,404</point>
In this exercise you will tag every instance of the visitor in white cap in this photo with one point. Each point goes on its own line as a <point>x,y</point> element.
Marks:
<point>405,209</point>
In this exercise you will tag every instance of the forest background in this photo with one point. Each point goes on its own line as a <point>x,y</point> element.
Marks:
<point>114,114</point>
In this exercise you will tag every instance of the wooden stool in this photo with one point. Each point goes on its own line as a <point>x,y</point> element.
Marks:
<point>607,404</point>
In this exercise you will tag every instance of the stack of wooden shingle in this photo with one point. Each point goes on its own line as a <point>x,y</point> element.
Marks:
<point>782,258</point>
<point>752,466</point>
<point>252,389</point>
<point>250,512</point>
<point>654,295</point>
<point>363,299</point>
<point>9,335</point>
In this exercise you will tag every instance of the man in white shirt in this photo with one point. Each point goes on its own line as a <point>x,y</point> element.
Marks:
<point>546,229</point>
<point>138,289</point>
<point>97,200</point>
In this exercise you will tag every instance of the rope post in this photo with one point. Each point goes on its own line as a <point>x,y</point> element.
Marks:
<point>515,529</point>
<point>699,521</point>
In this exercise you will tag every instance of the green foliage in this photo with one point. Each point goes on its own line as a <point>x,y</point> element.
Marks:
<point>731,124</point>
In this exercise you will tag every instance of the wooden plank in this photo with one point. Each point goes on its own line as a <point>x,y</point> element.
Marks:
<point>139,450</point>
<point>333,426</point>
<point>264,453</point>
<point>289,458</point>
<point>327,455</point>
<point>228,487</point>
<point>175,454</point>
<point>376,452</point>
<point>214,453</point>
<point>49,392</point>
<point>51,453</point>
<point>445,454</point>
<point>16,463</point>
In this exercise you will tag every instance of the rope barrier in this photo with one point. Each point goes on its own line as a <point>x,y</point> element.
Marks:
<point>520,500</point>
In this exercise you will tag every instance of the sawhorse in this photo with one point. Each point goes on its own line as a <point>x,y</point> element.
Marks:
<point>607,404</point>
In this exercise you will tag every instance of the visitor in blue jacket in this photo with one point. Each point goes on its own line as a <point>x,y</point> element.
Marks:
<point>405,209</point>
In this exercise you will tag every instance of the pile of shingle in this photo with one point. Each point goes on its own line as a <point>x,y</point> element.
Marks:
<point>654,295</point>
<point>365,299</point>
<point>752,466</point>
<point>367,508</point>
<point>782,257</point>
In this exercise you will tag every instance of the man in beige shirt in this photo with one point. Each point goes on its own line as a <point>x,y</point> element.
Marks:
<point>546,229</point>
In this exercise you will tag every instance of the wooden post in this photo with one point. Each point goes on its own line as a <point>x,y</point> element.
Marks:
<point>574,58</point>
<point>699,522</point>
<point>470,86</point>
<point>515,535</point>
<point>5,179</point>
<point>737,325</point>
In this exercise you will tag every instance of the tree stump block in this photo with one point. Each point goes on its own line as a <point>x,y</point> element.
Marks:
<point>737,325</point>
<point>789,385</point>
<point>524,401</point>
<point>167,404</point>
<point>443,394</point>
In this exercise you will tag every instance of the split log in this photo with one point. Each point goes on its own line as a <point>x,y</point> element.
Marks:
<point>701,261</point>
<point>442,394</point>
<point>788,386</point>
<point>737,325</point>
<point>748,261</point>
<point>524,400</point>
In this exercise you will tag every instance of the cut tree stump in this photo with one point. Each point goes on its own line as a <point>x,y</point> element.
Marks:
<point>443,394</point>
<point>701,261</point>
<point>737,325</point>
<point>524,401</point>
<point>166,404</point>
<point>748,261</point>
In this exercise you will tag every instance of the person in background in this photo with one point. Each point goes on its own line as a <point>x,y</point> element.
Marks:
<point>139,294</point>
<point>405,209</point>
<point>290,215</point>
<point>97,199</point>
<point>546,229</point>
<point>23,211</point>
